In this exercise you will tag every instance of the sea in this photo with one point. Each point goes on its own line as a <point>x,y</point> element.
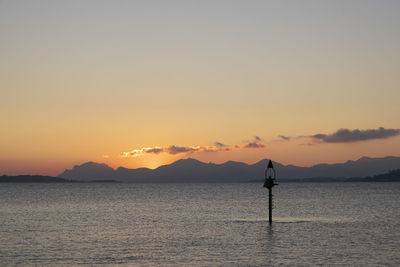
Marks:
<point>96,224</point>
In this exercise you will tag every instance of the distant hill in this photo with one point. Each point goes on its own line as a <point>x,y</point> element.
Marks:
<point>192,170</point>
<point>89,169</point>
<point>45,179</point>
<point>390,176</point>
<point>31,179</point>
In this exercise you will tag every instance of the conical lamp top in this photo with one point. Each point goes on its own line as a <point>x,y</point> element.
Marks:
<point>270,165</point>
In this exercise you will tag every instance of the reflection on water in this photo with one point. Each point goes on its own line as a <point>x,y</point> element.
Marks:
<point>289,220</point>
<point>199,224</point>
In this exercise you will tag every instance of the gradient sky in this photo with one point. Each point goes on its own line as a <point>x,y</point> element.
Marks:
<point>101,80</point>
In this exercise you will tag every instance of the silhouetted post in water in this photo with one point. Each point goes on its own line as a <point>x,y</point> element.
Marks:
<point>269,183</point>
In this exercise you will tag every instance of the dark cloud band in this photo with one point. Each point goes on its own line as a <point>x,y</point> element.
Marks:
<point>346,135</point>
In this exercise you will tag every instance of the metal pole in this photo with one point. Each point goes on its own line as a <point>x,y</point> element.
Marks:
<point>270,205</point>
<point>269,183</point>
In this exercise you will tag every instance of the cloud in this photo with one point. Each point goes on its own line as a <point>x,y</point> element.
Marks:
<point>284,138</point>
<point>256,143</point>
<point>144,150</point>
<point>155,150</point>
<point>173,150</point>
<point>347,136</point>
<point>215,149</point>
<point>218,144</point>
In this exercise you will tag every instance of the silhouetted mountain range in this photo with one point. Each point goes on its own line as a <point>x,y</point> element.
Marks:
<point>192,170</point>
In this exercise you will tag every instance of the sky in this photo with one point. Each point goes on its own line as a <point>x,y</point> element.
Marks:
<point>145,83</point>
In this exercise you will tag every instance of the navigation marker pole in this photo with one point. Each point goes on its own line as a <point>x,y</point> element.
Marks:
<point>269,183</point>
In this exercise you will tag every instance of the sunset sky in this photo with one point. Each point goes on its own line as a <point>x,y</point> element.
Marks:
<point>145,83</point>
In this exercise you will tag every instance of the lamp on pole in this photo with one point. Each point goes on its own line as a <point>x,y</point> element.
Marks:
<point>269,183</point>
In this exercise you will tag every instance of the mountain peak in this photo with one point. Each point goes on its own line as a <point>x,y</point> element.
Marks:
<point>91,170</point>
<point>187,161</point>
<point>262,162</point>
<point>364,159</point>
<point>92,164</point>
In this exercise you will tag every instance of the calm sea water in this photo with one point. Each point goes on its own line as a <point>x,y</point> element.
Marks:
<point>200,224</point>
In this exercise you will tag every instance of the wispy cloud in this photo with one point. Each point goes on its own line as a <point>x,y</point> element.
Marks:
<point>174,149</point>
<point>256,143</point>
<point>347,136</point>
<point>284,138</point>
<point>142,151</point>
<point>219,144</point>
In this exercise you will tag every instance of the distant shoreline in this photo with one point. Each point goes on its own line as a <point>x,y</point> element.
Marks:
<point>45,179</point>
<point>333,180</point>
<point>392,176</point>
